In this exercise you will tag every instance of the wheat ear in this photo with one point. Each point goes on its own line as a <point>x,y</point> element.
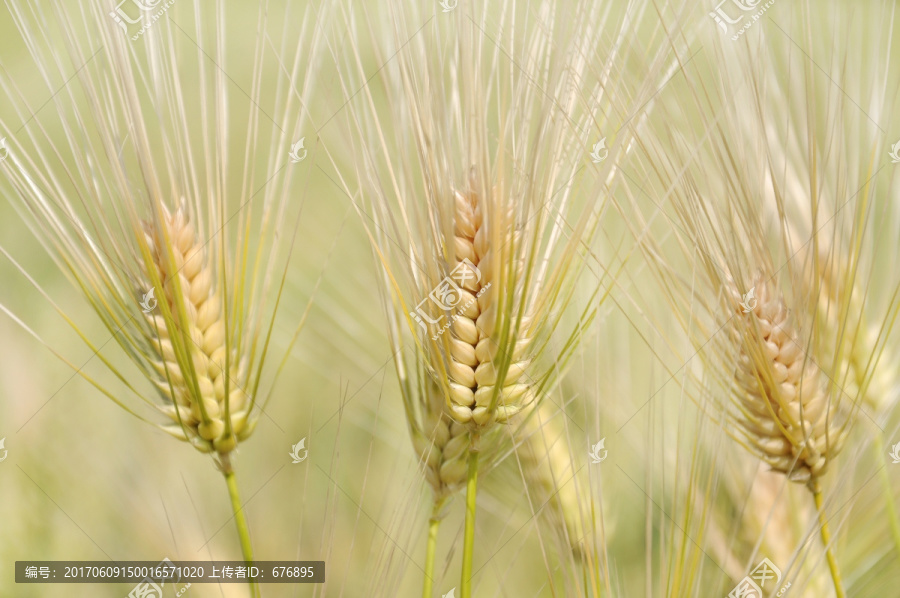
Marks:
<point>205,401</point>
<point>488,340</point>
<point>485,385</point>
<point>781,393</point>
<point>565,503</point>
<point>785,412</point>
<point>196,373</point>
<point>441,445</point>
<point>546,461</point>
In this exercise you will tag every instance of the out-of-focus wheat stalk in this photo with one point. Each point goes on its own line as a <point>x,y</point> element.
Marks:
<point>548,468</point>
<point>138,207</point>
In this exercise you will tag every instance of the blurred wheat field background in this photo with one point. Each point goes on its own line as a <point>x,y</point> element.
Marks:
<point>691,228</point>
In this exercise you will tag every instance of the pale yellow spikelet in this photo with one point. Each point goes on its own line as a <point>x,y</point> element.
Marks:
<point>773,521</point>
<point>547,464</point>
<point>778,520</point>
<point>441,444</point>
<point>784,408</point>
<point>769,514</point>
<point>864,361</point>
<point>480,392</point>
<point>197,390</point>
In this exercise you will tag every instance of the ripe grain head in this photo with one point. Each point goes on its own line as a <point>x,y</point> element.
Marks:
<point>471,150</point>
<point>134,188</point>
<point>786,407</point>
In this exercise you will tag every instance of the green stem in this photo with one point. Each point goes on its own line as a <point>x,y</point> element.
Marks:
<point>239,519</point>
<point>888,493</point>
<point>826,539</point>
<point>469,540</point>
<point>433,524</point>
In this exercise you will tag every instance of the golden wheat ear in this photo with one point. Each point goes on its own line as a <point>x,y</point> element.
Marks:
<point>788,412</point>
<point>785,410</point>
<point>190,342</point>
<point>486,369</point>
<point>133,137</point>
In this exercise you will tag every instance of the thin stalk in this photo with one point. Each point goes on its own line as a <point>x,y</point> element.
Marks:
<point>587,582</point>
<point>433,524</point>
<point>589,568</point>
<point>239,519</point>
<point>888,493</point>
<point>826,539</point>
<point>469,540</point>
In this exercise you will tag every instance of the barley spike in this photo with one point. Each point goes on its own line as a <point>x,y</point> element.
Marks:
<point>785,412</point>
<point>195,388</point>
